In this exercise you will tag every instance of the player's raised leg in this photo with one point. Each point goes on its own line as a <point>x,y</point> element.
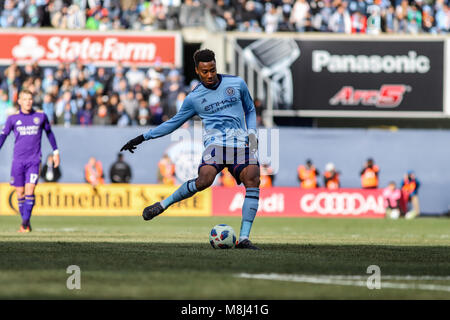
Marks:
<point>250,178</point>
<point>205,179</point>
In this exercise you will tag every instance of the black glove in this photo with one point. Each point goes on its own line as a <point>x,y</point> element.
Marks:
<point>253,142</point>
<point>131,145</point>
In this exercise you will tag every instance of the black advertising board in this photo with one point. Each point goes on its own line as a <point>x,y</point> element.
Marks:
<point>351,75</point>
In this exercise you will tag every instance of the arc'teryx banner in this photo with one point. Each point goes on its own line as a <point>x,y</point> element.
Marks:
<point>350,75</point>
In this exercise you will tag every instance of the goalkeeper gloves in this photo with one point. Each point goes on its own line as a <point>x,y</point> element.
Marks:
<point>131,145</point>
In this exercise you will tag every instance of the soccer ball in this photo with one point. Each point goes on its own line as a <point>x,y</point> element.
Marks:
<point>222,236</point>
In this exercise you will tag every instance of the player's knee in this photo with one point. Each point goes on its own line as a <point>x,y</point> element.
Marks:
<point>203,182</point>
<point>252,181</point>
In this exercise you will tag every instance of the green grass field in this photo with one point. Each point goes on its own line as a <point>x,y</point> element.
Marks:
<point>171,258</point>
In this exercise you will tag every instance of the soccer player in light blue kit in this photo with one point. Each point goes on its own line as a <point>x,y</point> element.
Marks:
<point>27,125</point>
<point>226,108</point>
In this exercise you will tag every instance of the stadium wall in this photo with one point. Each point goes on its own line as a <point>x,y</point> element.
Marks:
<point>424,151</point>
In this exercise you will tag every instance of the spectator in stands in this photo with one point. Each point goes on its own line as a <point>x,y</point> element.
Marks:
<point>369,175</point>
<point>166,170</point>
<point>48,106</point>
<point>143,114</point>
<point>11,16</point>
<point>414,18</point>
<point>66,110</point>
<point>123,119</point>
<point>86,115</point>
<point>102,117</point>
<point>442,18</point>
<point>120,171</point>
<point>307,175</point>
<point>331,177</point>
<point>130,104</point>
<point>271,20</point>
<point>392,197</point>
<point>49,173</point>
<point>340,21</point>
<point>76,19</point>
<point>93,173</point>
<point>134,76</point>
<point>226,179</point>
<point>191,13</point>
<point>410,187</point>
<point>267,176</point>
<point>359,22</point>
<point>299,15</point>
<point>6,107</point>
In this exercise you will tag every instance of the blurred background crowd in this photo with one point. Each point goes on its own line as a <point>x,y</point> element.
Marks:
<point>85,94</point>
<point>344,16</point>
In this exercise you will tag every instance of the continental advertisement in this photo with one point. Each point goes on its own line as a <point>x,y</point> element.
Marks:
<point>107,200</point>
<point>130,199</point>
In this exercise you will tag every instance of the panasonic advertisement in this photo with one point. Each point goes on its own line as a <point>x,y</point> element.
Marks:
<point>350,76</point>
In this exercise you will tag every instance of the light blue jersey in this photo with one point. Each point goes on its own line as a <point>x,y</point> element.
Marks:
<point>227,112</point>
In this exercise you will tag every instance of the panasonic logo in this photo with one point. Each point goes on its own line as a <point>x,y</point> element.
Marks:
<point>411,63</point>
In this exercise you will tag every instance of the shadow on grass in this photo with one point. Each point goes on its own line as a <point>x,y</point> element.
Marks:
<point>195,257</point>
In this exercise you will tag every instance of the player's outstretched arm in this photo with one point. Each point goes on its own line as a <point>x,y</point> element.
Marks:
<point>186,112</point>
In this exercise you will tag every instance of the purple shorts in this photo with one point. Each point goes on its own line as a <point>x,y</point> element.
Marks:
<point>24,172</point>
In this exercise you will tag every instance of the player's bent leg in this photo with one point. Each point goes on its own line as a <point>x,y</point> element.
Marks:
<point>186,190</point>
<point>250,177</point>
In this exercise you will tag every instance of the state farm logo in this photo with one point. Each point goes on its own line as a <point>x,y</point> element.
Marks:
<point>344,203</point>
<point>388,96</point>
<point>65,48</point>
<point>273,203</point>
<point>28,47</point>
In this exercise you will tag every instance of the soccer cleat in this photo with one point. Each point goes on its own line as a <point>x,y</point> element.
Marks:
<point>24,230</point>
<point>246,244</point>
<point>152,211</point>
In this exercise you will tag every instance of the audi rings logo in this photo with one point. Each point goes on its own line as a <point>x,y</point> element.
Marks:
<point>335,203</point>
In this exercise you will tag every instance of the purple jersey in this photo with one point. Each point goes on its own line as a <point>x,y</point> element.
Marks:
<point>28,132</point>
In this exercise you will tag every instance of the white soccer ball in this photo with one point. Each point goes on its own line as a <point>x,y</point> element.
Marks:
<point>222,236</point>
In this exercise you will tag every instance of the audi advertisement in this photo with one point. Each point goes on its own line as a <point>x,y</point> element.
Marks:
<point>296,202</point>
<point>348,75</point>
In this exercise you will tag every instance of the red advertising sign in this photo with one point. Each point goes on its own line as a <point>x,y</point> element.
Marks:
<point>296,202</point>
<point>103,48</point>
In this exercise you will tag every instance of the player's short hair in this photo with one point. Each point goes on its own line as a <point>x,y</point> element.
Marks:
<point>204,55</point>
<point>25,91</point>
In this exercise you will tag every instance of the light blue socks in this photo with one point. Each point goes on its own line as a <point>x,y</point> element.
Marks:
<point>249,210</point>
<point>187,190</point>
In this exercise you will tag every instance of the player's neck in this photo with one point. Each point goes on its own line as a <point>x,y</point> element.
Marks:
<point>26,111</point>
<point>216,84</point>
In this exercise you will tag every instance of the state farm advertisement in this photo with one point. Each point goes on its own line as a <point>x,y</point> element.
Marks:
<point>296,202</point>
<point>105,48</point>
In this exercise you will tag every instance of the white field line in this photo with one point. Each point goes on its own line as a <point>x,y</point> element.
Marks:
<point>344,280</point>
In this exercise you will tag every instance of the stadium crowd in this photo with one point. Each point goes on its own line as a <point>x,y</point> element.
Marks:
<point>76,93</point>
<point>343,16</point>
<point>85,94</point>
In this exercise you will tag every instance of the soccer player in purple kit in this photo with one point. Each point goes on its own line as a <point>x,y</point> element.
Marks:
<point>27,125</point>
